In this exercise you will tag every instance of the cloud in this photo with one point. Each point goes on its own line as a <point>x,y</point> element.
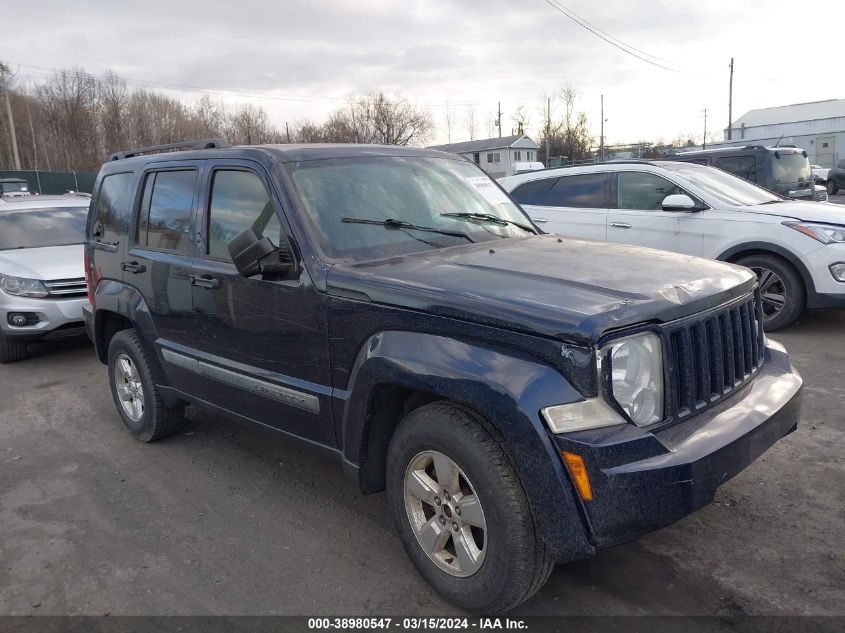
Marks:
<point>433,52</point>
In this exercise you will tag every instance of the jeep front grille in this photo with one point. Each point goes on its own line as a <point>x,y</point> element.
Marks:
<point>713,355</point>
<point>66,288</point>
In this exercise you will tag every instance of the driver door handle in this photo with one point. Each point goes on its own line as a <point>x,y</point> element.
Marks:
<point>204,281</point>
<point>621,225</point>
<point>133,267</point>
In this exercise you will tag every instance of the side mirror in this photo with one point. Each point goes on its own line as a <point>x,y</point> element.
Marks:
<point>253,255</point>
<point>678,202</point>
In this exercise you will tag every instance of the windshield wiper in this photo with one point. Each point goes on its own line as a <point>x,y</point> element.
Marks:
<point>489,217</point>
<point>391,223</point>
<point>771,202</point>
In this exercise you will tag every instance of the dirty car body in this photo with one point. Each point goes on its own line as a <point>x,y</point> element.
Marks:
<point>373,321</point>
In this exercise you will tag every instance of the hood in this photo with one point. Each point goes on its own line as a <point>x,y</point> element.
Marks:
<point>50,262</point>
<point>545,285</point>
<point>806,211</point>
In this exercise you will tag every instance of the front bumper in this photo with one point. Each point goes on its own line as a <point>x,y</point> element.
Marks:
<point>826,291</point>
<point>642,481</point>
<point>57,318</point>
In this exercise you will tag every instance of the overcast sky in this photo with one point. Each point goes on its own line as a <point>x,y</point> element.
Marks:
<point>456,52</point>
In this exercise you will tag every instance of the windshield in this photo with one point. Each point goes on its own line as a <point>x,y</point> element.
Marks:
<point>407,191</point>
<point>14,186</point>
<point>790,169</point>
<point>723,186</point>
<point>42,227</point>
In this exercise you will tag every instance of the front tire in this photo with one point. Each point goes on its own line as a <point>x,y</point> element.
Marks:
<point>138,401</point>
<point>12,349</point>
<point>832,187</point>
<point>461,512</point>
<point>781,287</point>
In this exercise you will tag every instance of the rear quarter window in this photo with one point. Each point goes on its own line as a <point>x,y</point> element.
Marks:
<point>533,191</point>
<point>114,208</point>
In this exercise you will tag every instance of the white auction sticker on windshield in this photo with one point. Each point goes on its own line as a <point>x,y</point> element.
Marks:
<point>488,189</point>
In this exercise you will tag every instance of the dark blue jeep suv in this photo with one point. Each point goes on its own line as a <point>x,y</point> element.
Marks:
<point>524,399</point>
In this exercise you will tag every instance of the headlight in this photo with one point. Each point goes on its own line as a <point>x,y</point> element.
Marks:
<point>636,370</point>
<point>824,233</point>
<point>22,287</point>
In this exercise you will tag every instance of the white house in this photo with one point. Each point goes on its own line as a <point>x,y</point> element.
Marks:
<point>496,156</point>
<point>817,127</point>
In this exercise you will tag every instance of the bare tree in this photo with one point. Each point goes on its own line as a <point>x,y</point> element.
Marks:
<point>491,124</point>
<point>470,122</point>
<point>79,119</point>
<point>520,119</point>
<point>114,101</point>
<point>373,118</point>
<point>568,133</point>
<point>449,120</point>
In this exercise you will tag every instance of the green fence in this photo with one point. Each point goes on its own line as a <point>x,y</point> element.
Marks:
<point>54,182</point>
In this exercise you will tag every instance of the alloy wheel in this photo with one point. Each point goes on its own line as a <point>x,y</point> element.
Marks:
<point>772,291</point>
<point>445,513</point>
<point>130,391</point>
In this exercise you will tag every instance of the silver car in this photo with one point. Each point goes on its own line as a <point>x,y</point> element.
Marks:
<point>42,284</point>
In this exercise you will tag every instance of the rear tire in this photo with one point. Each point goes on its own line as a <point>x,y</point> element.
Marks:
<point>508,557</point>
<point>12,349</point>
<point>784,295</point>
<point>138,401</point>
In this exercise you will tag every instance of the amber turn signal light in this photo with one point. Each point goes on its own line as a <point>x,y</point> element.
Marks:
<point>575,463</point>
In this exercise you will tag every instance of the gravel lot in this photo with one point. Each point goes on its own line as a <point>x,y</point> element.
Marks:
<point>228,518</point>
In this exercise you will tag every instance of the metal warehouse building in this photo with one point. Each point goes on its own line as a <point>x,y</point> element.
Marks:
<point>817,127</point>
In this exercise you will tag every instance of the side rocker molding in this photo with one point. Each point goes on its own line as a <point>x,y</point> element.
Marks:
<point>507,391</point>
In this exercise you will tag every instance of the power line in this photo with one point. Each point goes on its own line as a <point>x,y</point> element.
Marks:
<point>31,70</point>
<point>608,38</point>
<point>616,39</point>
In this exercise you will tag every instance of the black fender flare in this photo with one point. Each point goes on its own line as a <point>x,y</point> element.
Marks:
<point>506,390</point>
<point>116,296</point>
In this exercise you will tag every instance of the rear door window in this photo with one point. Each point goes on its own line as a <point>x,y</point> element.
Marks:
<point>166,209</point>
<point>742,166</point>
<point>581,191</point>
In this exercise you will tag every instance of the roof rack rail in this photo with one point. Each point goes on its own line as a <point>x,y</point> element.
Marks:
<point>209,143</point>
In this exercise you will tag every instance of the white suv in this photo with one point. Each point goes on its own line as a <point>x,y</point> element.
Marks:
<point>42,283</point>
<point>796,248</point>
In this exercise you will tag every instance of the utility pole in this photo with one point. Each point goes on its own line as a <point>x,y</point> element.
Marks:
<point>548,127</point>
<point>731,102</point>
<point>287,131</point>
<point>601,138</point>
<point>4,83</point>
<point>704,142</point>
<point>499,120</point>
<point>34,146</point>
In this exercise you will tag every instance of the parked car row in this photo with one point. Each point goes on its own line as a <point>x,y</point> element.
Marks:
<point>797,248</point>
<point>523,399</point>
<point>836,178</point>
<point>42,286</point>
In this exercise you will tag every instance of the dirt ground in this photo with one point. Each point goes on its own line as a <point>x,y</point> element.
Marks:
<point>227,518</point>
